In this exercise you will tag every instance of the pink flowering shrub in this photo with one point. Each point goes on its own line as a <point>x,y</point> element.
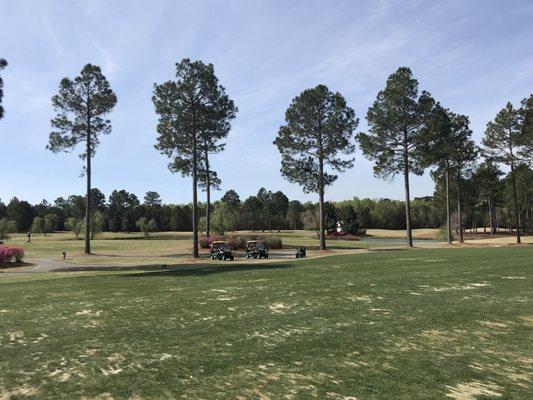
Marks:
<point>10,254</point>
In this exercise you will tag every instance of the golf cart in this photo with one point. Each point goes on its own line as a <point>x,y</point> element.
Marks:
<point>301,253</point>
<point>256,249</point>
<point>221,251</point>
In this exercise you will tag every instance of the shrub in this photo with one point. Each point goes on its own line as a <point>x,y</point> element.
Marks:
<point>10,254</point>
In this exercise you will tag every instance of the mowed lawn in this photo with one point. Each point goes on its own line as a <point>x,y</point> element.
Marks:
<point>396,324</point>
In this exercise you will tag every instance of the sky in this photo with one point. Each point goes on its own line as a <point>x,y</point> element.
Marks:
<point>472,56</point>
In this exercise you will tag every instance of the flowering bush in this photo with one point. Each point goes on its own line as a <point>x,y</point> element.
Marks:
<point>10,254</point>
<point>239,242</point>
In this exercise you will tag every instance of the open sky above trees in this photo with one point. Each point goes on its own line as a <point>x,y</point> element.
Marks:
<point>472,56</point>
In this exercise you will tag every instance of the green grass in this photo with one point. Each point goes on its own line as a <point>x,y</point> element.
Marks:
<point>394,324</point>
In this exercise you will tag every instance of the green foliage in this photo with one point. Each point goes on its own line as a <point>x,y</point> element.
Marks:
<point>97,224</point>
<point>152,199</point>
<point>6,227</point>
<point>38,225</point>
<point>75,225</point>
<point>294,211</point>
<point>122,211</point>
<point>80,107</point>
<point>347,216</point>
<point>224,218</point>
<point>146,226</point>
<point>21,212</point>
<point>3,64</point>
<point>318,131</point>
<point>50,223</point>
<point>396,124</point>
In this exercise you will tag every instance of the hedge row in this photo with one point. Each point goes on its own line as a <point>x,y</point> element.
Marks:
<point>239,242</point>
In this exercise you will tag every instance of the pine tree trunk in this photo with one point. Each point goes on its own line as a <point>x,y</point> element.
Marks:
<point>321,202</point>
<point>407,198</point>
<point>208,191</point>
<point>88,196</point>
<point>516,210</point>
<point>195,253</point>
<point>459,211</point>
<point>491,218</point>
<point>448,213</point>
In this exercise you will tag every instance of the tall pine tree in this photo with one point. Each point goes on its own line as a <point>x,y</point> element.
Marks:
<point>505,142</point>
<point>319,130</point>
<point>187,108</point>
<point>396,121</point>
<point>80,107</point>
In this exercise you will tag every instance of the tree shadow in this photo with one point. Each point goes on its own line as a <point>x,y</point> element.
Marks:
<point>178,270</point>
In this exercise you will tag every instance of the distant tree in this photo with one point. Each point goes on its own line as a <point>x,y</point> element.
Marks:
<point>122,211</point>
<point>146,226</point>
<point>50,223</point>
<point>389,214</point>
<point>80,106</point>
<point>318,131</point>
<point>6,227</point>
<point>21,212</point>
<point>224,219</point>
<point>189,107</point>
<point>38,225</point>
<point>3,64</point>
<point>267,208</point>
<point>294,211</point>
<point>252,210</point>
<point>504,142</point>
<point>462,159</point>
<point>396,121</point>
<point>98,200</point>
<point>97,224</point>
<point>487,180</point>
<point>152,199</point>
<point>311,218</point>
<point>280,203</point>
<point>363,208</point>
<point>526,119</point>
<point>75,225</point>
<point>435,149</point>
<point>347,216</point>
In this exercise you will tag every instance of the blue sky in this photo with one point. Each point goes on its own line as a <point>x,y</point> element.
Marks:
<point>473,56</point>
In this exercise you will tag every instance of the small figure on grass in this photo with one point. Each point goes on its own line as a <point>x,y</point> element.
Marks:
<point>28,237</point>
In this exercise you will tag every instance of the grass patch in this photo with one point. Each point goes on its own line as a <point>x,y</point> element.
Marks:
<point>396,324</point>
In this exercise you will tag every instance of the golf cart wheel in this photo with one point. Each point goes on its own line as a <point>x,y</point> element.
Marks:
<point>266,256</point>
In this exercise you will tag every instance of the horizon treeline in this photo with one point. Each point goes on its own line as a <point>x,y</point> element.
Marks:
<point>487,205</point>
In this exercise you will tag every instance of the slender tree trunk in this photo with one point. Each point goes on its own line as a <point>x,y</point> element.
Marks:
<point>407,198</point>
<point>321,202</point>
<point>448,213</point>
<point>515,198</point>
<point>484,218</point>
<point>491,218</point>
<point>88,196</point>
<point>208,192</point>
<point>195,253</point>
<point>459,211</point>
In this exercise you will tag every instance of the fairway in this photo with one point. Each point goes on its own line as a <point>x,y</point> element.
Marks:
<point>387,324</point>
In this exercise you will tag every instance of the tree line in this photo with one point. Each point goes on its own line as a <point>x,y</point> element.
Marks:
<point>487,207</point>
<point>409,132</point>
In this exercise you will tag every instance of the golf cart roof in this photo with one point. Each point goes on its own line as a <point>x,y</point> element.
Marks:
<point>220,242</point>
<point>254,241</point>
